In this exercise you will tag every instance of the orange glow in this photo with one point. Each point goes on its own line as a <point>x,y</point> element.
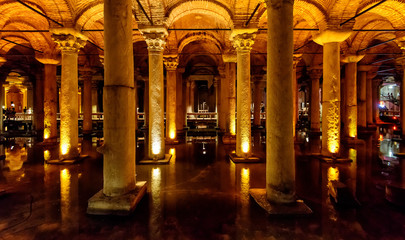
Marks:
<point>245,147</point>
<point>47,155</point>
<point>381,138</point>
<point>333,174</point>
<point>172,134</point>
<point>394,117</point>
<point>64,148</point>
<point>395,128</point>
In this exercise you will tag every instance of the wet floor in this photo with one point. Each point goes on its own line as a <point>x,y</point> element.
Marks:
<point>202,195</point>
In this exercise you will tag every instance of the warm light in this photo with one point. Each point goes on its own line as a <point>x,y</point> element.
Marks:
<point>245,147</point>
<point>381,138</point>
<point>64,148</point>
<point>47,155</point>
<point>245,184</point>
<point>155,173</point>
<point>65,180</point>
<point>382,104</point>
<point>172,151</point>
<point>172,134</point>
<point>333,174</point>
<point>353,154</point>
<point>394,117</point>
<point>156,147</point>
<point>333,127</point>
<point>395,128</point>
<point>232,127</point>
<point>46,133</point>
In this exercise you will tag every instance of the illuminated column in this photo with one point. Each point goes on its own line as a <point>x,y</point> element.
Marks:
<point>258,97</point>
<point>230,74</point>
<point>188,107</point>
<point>369,97</point>
<point>401,61</point>
<point>376,100</point>
<point>243,40</point>
<point>296,60</point>
<point>217,99</point>
<point>330,39</point>
<point>50,98</point>
<point>171,63</point>
<point>155,39</point>
<point>192,96</point>
<point>315,74</point>
<point>70,42</point>
<point>87,75</point>
<point>180,106</point>
<point>350,100</point>
<point>280,175</point>
<point>146,104</point>
<point>362,81</point>
<point>38,105</point>
<point>224,109</point>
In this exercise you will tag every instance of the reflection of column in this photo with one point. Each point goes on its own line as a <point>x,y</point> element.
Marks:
<point>156,208</point>
<point>258,99</point>
<point>50,98</point>
<point>280,175</point>
<point>315,74</point>
<point>296,60</point>
<point>243,41</point>
<point>330,40</point>
<point>369,97</point>
<point>362,81</point>
<point>350,99</point>
<point>70,43</point>
<point>171,63</point>
<point>87,121</point>
<point>154,38</point>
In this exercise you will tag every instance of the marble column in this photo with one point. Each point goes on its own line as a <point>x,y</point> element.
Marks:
<point>217,99</point>
<point>362,81</point>
<point>50,97</point>
<point>155,39</point>
<point>120,192</point>
<point>224,89</point>
<point>350,100</point>
<point>242,40</point>
<point>369,97</point>
<point>376,100</point>
<point>315,74</point>
<point>230,74</point>
<point>258,99</point>
<point>87,75</point>
<point>280,162</point>
<point>171,63</point>
<point>330,39</point>
<point>296,60</point>
<point>70,42</point>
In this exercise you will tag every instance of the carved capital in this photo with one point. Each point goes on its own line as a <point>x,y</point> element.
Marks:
<point>296,59</point>
<point>68,39</point>
<point>155,38</point>
<point>332,35</point>
<point>171,62</point>
<point>315,73</point>
<point>86,73</point>
<point>243,39</point>
<point>351,58</point>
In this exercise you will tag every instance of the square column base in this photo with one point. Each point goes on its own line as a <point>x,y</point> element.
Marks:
<point>123,205</point>
<point>297,208</point>
<point>166,160</point>
<point>78,159</point>
<point>251,159</point>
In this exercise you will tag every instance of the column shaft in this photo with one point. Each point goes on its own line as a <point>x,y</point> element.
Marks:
<point>224,109</point>
<point>87,120</point>
<point>192,96</point>
<point>258,96</point>
<point>280,162</point>
<point>369,101</point>
<point>38,105</point>
<point>146,104</point>
<point>361,119</point>
<point>232,98</point>
<point>402,96</point>
<point>50,103</point>
<point>118,100</point>
<point>350,121</point>
<point>171,128</point>
<point>315,114</point>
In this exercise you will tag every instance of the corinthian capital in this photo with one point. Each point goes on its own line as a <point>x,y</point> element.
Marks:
<point>155,38</point>
<point>171,62</point>
<point>68,39</point>
<point>243,39</point>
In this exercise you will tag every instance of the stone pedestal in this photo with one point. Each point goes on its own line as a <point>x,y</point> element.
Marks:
<point>350,100</point>
<point>120,192</point>
<point>243,40</point>
<point>330,39</point>
<point>171,63</point>
<point>155,39</point>
<point>315,74</point>
<point>70,42</point>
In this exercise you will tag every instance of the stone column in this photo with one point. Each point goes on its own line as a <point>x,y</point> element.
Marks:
<point>69,42</point>
<point>171,63</point>
<point>296,60</point>
<point>50,98</point>
<point>155,39</point>
<point>315,74</point>
<point>258,98</point>
<point>369,97</point>
<point>217,99</point>
<point>224,109</point>
<point>280,175</point>
<point>243,40</point>
<point>38,105</point>
<point>187,98</point>
<point>401,61</point>
<point>376,100</point>
<point>180,106</point>
<point>146,104</point>
<point>192,96</point>
<point>230,74</point>
<point>87,75</point>
<point>350,100</point>
<point>362,81</point>
<point>330,39</point>
<point>120,191</point>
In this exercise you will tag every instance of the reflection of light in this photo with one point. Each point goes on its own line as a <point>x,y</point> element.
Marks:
<point>204,152</point>
<point>155,185</point>
<point>64,148</point>
<point>47,155</point>
<point>245,147</point>
<point>333,174</point>
<point>244,184</point>
<point>65,179</point>
<point>307,139</point>
<point>394,117</point>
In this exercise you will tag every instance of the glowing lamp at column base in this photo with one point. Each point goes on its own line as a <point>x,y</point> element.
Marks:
<point>245,147</point>
<point>333,174</point>
<point>64,148</point>
<point>47,155</point>
<point>46,133</point>
<point>172,134</point>
<point>156,147</point>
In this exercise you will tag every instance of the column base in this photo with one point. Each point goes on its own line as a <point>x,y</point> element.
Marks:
<point>62,161</point>
<point>166,160</point>
<point>123,205</point>
<point>296,208</point>
<point>251,159</point>
<point>229,139</point>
